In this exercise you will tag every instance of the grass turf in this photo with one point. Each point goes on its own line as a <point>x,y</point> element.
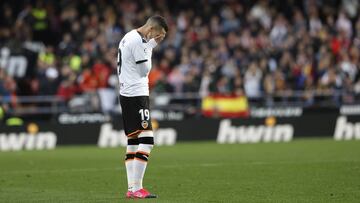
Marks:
<point>309,170</point>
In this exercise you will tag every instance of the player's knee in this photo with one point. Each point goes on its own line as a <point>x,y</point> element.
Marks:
<point>132,146</point>
<point>146,141</point>
<point>146,144</point>
<point>133,141</point>
<point>146,137</point>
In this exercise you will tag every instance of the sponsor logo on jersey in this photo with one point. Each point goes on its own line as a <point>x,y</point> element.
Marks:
<point>110,137</point>
<point>345,130</point>
<point>270,132</point>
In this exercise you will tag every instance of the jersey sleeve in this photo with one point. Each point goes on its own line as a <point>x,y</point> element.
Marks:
<point>140,52</point>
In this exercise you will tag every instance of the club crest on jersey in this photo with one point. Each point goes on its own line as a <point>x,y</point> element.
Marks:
<point>144,124</point>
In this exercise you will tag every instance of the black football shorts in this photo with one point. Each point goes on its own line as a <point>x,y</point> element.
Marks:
<point>135,114</point>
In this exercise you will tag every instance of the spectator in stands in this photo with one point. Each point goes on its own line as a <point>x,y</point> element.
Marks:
<point>251,47</point>
<point>252,81</point>
<point>68,88</point>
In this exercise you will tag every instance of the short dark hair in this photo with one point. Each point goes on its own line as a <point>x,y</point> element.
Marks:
<point>160,21</point>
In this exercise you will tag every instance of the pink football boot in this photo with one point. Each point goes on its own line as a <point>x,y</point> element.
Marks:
<point>129,194</point>
<point>143,194</point>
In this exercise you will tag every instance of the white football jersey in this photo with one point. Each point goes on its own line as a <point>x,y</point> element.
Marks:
<point>134,64</point>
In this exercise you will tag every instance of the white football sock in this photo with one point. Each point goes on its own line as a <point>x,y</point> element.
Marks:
<point>129,162</point>
<point>146,143</point>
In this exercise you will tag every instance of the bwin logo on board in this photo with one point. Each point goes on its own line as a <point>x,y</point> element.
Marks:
<point>254,134</point>
<point>27,141</point>
<point>345,130</point>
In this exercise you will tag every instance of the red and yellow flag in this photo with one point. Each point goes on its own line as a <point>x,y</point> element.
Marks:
<point>225,106</point>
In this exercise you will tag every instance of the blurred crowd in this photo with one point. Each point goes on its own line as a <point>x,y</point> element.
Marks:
<point>247,47</point>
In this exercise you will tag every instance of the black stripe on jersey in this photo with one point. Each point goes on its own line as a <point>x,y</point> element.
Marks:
<point>141,61</point>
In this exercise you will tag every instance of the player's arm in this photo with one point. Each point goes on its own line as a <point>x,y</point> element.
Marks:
<point>142,54</point>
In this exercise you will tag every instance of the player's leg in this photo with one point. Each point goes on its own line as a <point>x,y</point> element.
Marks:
<point>146,144</point>
<point>138,129</point>
<point>131,128</point>
<point>131,149</point>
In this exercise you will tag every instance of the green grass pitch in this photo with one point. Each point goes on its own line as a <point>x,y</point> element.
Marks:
<point>309,170</point>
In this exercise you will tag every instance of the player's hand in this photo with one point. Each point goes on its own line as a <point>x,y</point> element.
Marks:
<point>159,38</point>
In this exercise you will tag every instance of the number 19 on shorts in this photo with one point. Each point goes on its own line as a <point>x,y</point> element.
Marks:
<point>145,114</point>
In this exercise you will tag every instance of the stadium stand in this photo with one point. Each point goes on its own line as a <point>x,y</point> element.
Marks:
<point>274,52</point>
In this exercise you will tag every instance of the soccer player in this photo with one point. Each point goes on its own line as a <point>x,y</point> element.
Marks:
<point>134,64</point>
